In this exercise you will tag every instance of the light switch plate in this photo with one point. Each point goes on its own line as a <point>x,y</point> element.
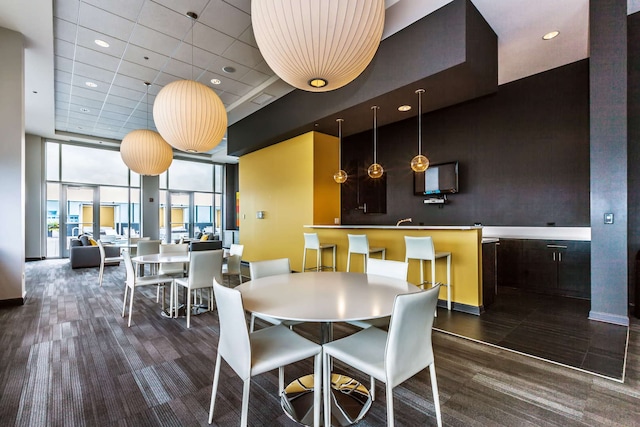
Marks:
<point>608,218</point>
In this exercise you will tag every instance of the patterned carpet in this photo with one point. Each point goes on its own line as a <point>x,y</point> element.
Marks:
<point>67,358</point>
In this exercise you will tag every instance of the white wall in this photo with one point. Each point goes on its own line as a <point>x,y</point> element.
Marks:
<point>35,215</point>
<point>12,161</point>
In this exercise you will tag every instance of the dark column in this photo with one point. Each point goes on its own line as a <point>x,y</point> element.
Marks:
<point>608,159</point>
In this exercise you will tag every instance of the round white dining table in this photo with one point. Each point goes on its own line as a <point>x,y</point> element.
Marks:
<point>160,258</point>
<point>324,297</point>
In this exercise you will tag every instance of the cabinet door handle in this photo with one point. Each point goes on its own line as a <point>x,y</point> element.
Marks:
<point>365,208</point>
<point>559,256</point>
<point>557,246</point>
<point>554,256</point>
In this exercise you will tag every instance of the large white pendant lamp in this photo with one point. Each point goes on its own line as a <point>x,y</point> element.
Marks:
<point>316,45</point>
<point>189,115</point>
<point>419,163</point>
<point>340,176</point>
<point>144,151</point>
<point>375,171</point>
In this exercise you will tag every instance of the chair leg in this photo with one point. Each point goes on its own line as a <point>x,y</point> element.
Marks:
<point>348,261</point>
<point>252,323</point>
<point>364,262</point>
<point>317,377</point>
<point>245,402</point>
<point>436,396</point>
<point>214,388</point>
<point>318,259</point>
<point>124,302</point>
<point>390,420</point>
<point>280,380</point>
<point>334,258</point>
<point>101,273</point>
<point>189,308</point>
<point>131,304</point>
<point>326,388</point>
<point>304,260</point>
<point>449,282</point>
<point>372,388</point>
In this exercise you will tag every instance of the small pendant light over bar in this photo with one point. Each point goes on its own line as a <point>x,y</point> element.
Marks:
<point>419,163</point>
<point>340,176</point>
<point>375,171</point>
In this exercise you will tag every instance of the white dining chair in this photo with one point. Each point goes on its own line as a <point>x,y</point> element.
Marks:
<point>204,266</point>
<point>312,242</point>
<point>271,267</point>
<point>422,249</point>
<point>133,281</point>
<point>148,247</point>
<point>251,354</point>
<point>233,265</point>
<point>359,244</point>
<point>394,356</point>
<point>173,268</point>
<point>105,260</point>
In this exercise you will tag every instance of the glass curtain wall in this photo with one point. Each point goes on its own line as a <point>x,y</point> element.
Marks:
<point>193,193</point>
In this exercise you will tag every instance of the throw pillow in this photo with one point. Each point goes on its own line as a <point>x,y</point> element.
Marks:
<point>85,240</point>
<point>205,237</point>
<point>93,242</point>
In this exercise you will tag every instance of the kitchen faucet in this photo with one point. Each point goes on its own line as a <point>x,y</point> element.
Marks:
<point>403,220</point>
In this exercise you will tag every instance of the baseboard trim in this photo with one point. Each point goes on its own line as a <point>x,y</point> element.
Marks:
<point>40,258</point>
<point>609,318</point>
<point>12,302</point>
<point>464,308</point>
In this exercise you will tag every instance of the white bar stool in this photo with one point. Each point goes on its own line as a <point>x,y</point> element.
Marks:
<point>312,242</point>
<point>359,244</point>
<point>422,249</point>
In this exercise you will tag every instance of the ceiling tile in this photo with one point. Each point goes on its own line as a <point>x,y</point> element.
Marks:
<point>87,38</point>
<point>90,72</point>
<point>63,48</point>
<point>128,9</point>
<point>199,57</point>
<point>243,54</point>
<point>67,10</point>
<point>225,18</point>
<point>63,64</point>
<point>64,30</point>
<point>249,37</point>
<point>104,22</point>
<point>136,54</point>
<point>90,56</point>
<point>263,67</point>
<point>138,72</point>
<point>210,39</point>
<point>244,5</point>
<point>154,40</point>
<point>254,78</point>
<point>228,98</point>
<point>184,6</point>
<point>165,20</point>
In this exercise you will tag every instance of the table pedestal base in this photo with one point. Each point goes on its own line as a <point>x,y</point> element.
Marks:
<point>350,400</point>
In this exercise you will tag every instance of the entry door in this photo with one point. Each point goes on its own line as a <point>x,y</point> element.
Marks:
<point>80,214</point>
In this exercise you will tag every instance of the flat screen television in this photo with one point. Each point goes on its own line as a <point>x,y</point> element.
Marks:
<point>440,178</point>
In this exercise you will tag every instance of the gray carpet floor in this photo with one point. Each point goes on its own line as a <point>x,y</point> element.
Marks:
<point>67,358</point>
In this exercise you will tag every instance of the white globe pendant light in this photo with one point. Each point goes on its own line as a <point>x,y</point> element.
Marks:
<point>189,115</point>
<point>144,151</point>
<point>316,45</point>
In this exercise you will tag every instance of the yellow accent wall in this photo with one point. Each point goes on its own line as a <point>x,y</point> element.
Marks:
<point>292,183</point>
<point>107,217</point>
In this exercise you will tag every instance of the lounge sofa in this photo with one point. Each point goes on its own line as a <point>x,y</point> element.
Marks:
<point>83,254</point>
<point>205,245</point>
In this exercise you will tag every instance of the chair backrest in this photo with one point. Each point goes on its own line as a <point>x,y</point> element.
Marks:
<point>419,248</point>
<point>131,275</point>
<point>148,247</point>
<point>258,269</point>
<point>358,244</point>
<point>236,250</point>
<point>101,249</point>
<point>172,267</point>
<point>410,334</point>
<point>234,345</point>
<point>204,266</point>
<point>233,264</point>
<point>137,239</point>
<point>387,268</point>
<point>311,241</point>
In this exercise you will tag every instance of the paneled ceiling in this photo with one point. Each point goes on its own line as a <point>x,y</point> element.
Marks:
<point>154,41</point>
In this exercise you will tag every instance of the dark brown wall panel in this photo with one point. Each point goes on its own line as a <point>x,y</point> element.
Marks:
<point>523,153</point>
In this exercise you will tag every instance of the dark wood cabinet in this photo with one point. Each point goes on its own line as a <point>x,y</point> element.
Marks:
<point>557,267</point>
<point>489,272</point>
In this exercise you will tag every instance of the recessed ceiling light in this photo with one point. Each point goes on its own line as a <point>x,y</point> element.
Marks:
<point>215,81</point>
<point>85,110</point>
<point>550,35</point>
<point>101,43</point>
<point>404,108</point>
<point>228,69</point>
<point>91,84</point>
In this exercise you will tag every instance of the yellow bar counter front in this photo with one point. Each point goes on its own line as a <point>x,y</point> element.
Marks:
<point>464,243</point>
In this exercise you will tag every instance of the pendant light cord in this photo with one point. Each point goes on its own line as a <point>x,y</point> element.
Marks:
<point>420,92</point>
<point>339,143</point>
<point>375,133</point>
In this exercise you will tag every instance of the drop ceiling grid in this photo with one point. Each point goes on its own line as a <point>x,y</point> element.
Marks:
<point>155,29</point>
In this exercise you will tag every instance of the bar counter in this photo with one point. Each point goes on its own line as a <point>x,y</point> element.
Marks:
<point>464,243</point>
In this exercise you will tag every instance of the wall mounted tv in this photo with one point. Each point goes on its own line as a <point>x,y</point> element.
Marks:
<point>440,178</point>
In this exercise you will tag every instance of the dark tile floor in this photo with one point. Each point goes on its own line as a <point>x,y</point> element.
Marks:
<point>548,327</point>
